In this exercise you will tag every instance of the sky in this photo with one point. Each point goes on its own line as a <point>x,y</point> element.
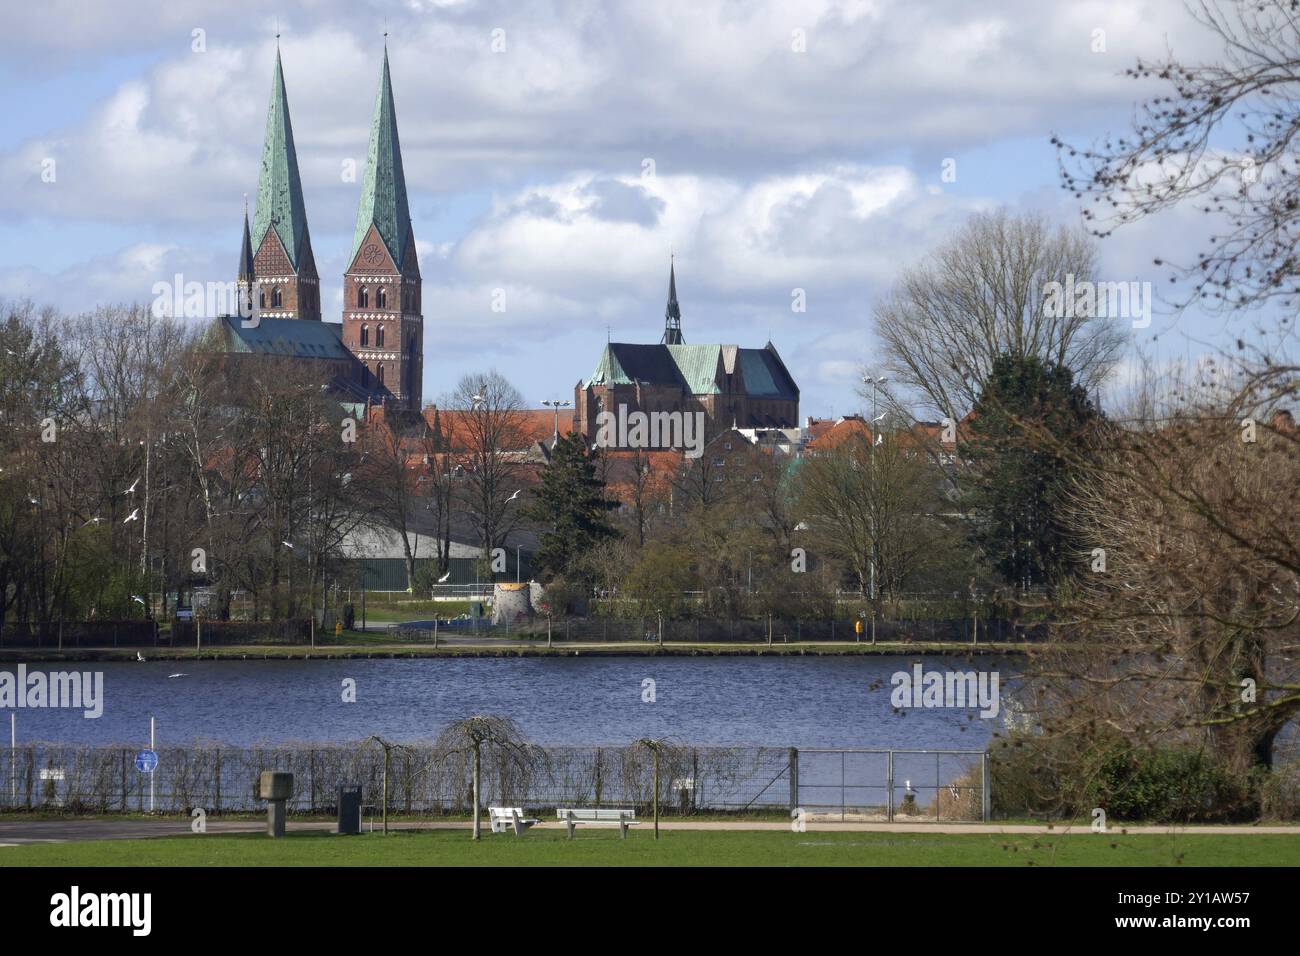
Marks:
<point>557,154</point>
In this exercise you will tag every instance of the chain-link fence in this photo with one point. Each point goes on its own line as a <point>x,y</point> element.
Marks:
<point>650,630</point>
<point>898,785</point>
<point>843,784</point>
<point>604,630</point>
<point>420,779</point>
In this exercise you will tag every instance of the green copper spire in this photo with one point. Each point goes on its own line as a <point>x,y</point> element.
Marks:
<point>383,193</point>
<point>279,190</point>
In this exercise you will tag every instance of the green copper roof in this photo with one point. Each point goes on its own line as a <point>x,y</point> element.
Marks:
<point>279,190</point>
<point>383,192</point>
<point>284,337</point>
<point>765,375</point>
<point>698,365</point>
<point>693,368</point>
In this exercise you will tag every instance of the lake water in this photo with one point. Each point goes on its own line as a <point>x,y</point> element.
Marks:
<point>766,701</point>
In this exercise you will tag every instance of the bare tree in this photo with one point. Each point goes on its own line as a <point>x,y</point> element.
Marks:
<point>395,472</point>
<point>1223,138</point>
<point>875,508</point>
<point>984,294</point>
<point>644,488</point>
<point>1185,629</point>
<point>440,490</point>
<point>490,436</point>
<point>500,740</point>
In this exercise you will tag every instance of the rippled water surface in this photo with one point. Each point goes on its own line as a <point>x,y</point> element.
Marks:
<point>787,701</point>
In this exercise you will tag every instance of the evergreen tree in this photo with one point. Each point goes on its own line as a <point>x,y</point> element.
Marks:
<point>570,503</point>
<point>1027,415</point>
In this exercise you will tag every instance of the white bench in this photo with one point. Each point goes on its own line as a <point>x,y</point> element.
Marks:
<point>510,818</point>
<point>595,817</point>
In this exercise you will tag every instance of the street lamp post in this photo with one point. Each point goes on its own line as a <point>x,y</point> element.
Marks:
<point>557,405</point>
<point>875,384</point>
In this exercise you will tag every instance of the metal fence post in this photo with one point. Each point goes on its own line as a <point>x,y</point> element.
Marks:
<point>889,787</point>
<point>938,787</point>
<point>986,799</point>
<point>794,778</point>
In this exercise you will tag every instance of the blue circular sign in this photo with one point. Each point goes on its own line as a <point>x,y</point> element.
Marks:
<point>146,761</point>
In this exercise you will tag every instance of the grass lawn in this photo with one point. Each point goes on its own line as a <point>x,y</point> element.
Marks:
<point>407,608</point>
<point>674,848</point>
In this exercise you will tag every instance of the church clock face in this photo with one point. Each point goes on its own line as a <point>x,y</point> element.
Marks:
<point>371,254</point>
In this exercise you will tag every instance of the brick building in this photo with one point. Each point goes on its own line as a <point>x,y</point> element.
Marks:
<point>376,352</point>
<point>731,386</point>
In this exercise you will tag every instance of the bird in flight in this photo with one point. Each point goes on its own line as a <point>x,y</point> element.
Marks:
<point>444,577</point>
<point>133,516</point>
<point>131,490</point>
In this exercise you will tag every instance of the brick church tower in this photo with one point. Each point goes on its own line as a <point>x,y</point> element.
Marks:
<point>280,274</point>
<point>382,322</point>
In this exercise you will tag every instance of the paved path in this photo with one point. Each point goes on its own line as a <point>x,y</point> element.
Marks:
<point>15,831</point>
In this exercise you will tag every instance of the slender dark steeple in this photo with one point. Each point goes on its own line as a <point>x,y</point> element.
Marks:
<point>673,314</point>
<point>246,273</point>
<point>246,281</point>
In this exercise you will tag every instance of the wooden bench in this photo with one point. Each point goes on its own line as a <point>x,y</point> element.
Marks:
<point>512,818</point>
<point>596,817</point>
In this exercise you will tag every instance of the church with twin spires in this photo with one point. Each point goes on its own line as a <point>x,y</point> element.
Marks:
<point>376,354</point>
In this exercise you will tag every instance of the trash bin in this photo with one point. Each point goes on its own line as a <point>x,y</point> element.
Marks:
<point>350,808</point>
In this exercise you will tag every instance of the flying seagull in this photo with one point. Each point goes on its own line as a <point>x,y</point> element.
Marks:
<point>444,577</point>
<point>133,516</point>
<point>139,657</point>
<point>515,495</point>
<point>139,600</point>
<point>171,676</point>
<point>95,520</point>
<point>131,490</point>
<point>287,545</point>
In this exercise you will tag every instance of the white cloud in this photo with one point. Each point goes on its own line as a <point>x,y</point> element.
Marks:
<point>701,88</point>
<point>775,169</point>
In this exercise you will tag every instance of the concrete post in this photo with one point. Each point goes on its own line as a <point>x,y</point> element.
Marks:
<point>275,787</point>
<point>275,818</point>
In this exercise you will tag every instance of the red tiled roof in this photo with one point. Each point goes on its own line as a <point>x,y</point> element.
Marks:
<point>827,434</point>
<point>534,425</point>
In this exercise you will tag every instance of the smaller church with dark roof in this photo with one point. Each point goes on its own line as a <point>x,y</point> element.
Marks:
<point>732,386</point>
